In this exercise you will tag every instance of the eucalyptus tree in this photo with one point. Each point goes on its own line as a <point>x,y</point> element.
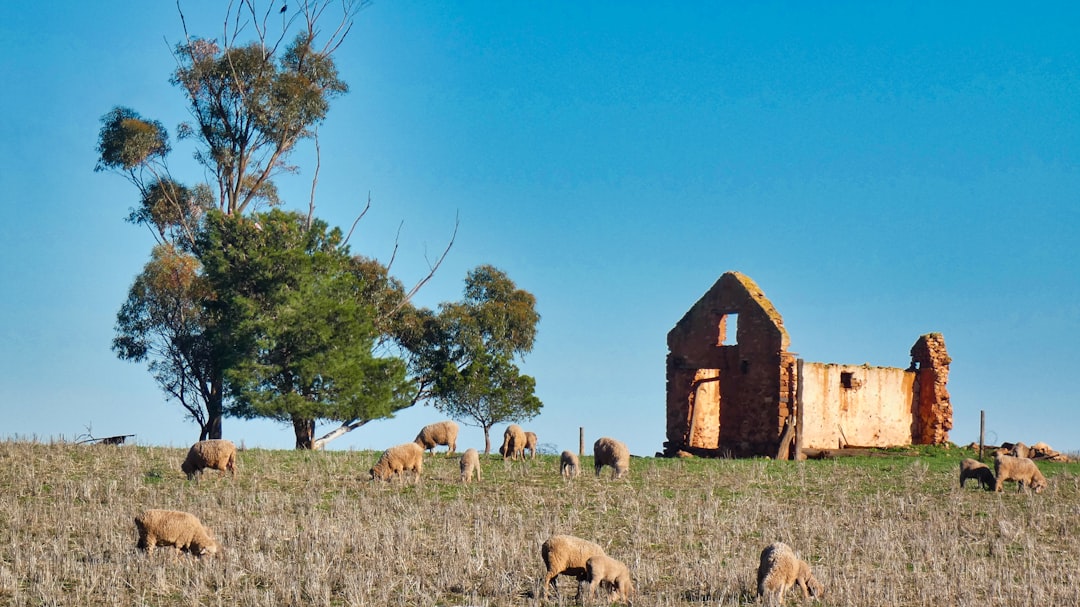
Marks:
<point>466,354</point>
<point>251,101</point>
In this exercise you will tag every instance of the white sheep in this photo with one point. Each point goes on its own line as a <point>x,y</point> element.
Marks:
<point>973,468</point>
<point>567,555</point>
<point>470,462</point>
<point>217,454</point>
<point>1019,469</point>
<point>513,442</point>
<point>398,460</point>
<point>612,574</point>
<point>569,466</point>
<point>779,569</point>
<point>610,452</point>
<point>530,444</point>
<point>440,433</point>
<point>180,530</point>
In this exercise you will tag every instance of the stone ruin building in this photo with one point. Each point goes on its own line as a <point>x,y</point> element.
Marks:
<point>751,396</point>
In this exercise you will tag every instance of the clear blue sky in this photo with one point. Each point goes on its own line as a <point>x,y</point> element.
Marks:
<point>880,170</point>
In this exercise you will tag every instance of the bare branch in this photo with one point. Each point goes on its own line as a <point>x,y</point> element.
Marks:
<point>315,180</point>
<point>431,273</point>
<point>357,220</point>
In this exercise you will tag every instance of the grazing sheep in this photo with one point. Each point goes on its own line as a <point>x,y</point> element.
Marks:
<point>610,452</point>
<point>513,442</point>
<point>569,466</point>
<point>218,454</point>
<point>398,460</point>
<point>612,574</point>
<point>441,433</point>
<point>1019,469</point>
<point>180,530</point>
<point>780,569</point>
<point>470,462</point>
<point>567,555</point>
<point>530,444</point>
<point>973,468</point>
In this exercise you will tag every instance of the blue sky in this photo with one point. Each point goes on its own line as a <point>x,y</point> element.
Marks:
<point>881,171</point>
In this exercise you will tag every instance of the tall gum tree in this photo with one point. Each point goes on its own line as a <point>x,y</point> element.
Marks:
<point>251,102</point>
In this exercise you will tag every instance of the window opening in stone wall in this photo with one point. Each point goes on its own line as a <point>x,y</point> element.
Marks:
<point>847,379</point>
<point>729,330</point>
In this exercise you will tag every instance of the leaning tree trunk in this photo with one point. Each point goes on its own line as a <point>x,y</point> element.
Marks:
<point>487,440</point>
<point>305,432</point>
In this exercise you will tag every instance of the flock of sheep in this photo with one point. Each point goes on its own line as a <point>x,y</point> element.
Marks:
<point>1012,464</point>
<point>779,569</point>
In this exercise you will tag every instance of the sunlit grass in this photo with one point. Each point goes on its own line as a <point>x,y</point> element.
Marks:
<point>308,528</point>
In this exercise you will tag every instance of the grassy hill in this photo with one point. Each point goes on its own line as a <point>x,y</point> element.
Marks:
<point>308,528</point>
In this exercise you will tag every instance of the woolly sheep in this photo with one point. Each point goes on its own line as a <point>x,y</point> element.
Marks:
<point>780,569</point>
<point>530,444</point>
<point>180,530</point>
<point>568,464</point>
<point>218,454</point>
<point>972,468</point>
<point>1019,469</point>
<point>440,433</point>
<point>470,462</point>
<point>513,442</point>
<point>567,555</point>
<point>610,452</point>
<point>612,574</point>
<point>398,460</point>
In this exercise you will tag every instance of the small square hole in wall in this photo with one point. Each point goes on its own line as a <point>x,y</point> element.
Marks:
<point>847,379</point>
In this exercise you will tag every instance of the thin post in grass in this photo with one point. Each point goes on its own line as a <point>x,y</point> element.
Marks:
<point>982,432</point>
<point>581,441</point>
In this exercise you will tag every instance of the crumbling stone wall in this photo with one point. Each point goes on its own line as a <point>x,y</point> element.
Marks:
<point>739,413</point>
<point>934,413</point>
<point>733,394</point>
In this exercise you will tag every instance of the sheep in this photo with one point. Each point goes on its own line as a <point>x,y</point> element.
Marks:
<point>441,433</point>
<point>568,464</point>
<point>567,555</point>
<point>470,462</point>
<point>610,452</point>
<point>612,574</point>
<point>218,454</point>
<point>972,468</point>
<point>1019,469</point>
<point>530,444</point>
<point>780,569</point>
<point>513,442</point>
<point>398,460</point>
<point>180,530</point>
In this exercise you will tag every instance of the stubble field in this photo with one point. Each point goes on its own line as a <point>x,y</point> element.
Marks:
<point>308,528</point>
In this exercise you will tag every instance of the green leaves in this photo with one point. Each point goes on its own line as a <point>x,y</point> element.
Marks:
<point>126,141</point>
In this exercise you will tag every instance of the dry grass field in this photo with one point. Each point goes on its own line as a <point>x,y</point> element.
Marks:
<point>304,528</point>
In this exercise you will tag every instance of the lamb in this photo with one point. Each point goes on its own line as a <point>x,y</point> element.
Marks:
<point>567,555</point>
<point>972,468</point>
<point>398,460</point>
<point>440,433</point>
<point>610,452</point>
<point>780,569</point>
<point>470,462</point>
<point>218,454</point>
<point>530,444</point>
<point>568,464</point>
<point>180,530</point>
<point>612,574</point>
<point>1019,469</point>
<point>513,442</point>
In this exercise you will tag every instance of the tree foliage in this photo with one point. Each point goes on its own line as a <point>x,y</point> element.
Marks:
<point>162,323</point>
<point>291,313</point>
<point>466,353</point>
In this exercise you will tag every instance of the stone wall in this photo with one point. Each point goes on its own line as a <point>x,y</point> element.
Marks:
<point>856,405</point>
